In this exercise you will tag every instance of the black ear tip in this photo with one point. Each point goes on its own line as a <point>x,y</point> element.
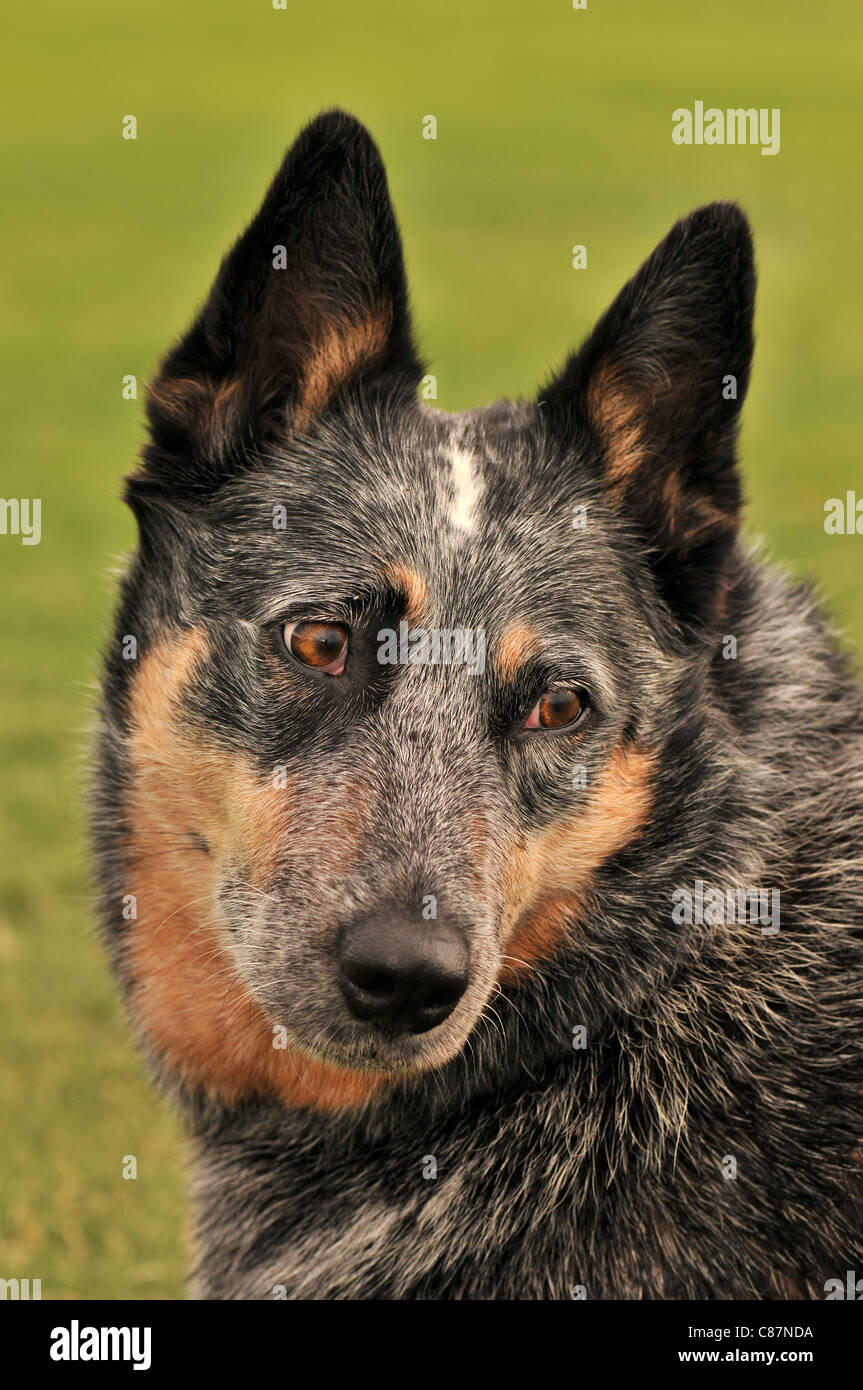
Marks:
<point>333,151</point>
<point>335,130</point>
<point>337,122</point>
<point>720,228</point>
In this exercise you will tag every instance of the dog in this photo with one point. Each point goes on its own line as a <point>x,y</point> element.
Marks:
<point>477,816</point>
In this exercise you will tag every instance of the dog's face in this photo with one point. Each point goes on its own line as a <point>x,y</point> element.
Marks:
<point>402,674</point>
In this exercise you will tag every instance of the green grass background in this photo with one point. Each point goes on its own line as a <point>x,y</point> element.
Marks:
<point>553,128</point>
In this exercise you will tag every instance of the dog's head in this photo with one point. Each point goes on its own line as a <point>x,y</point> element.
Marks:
<point>399,676</point>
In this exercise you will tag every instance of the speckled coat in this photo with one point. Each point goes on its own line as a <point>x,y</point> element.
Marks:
<point>621,1104</point>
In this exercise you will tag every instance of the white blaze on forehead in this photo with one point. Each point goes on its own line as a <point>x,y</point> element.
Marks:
<point>466,488</point>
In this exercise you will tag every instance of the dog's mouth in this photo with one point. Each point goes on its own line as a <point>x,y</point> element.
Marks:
<point>377,1051</point>
<point>342,1040</point>
<point>374,1048</point>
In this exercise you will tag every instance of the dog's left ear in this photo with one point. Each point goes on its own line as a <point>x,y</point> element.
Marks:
<point>310,301</point>
<point>660,383</point>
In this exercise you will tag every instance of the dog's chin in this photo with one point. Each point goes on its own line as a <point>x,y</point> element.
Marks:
<point>379,1051</point>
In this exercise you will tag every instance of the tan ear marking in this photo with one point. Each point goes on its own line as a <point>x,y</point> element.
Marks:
<point>339,350</point>
<point>616,414</point>
<point>691,517</point>
<point>211,410</point>
<point>200,407</point>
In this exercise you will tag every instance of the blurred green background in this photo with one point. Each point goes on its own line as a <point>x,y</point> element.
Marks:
<point>554,128</point>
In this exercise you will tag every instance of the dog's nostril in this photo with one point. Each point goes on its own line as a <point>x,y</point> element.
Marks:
<point>381,984</point>
<point>443,998</point>
<point>374,983</point>
<point>405,976</point>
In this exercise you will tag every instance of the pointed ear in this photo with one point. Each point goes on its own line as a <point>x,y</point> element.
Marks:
<point>660,383</point>
<point>311,300</point>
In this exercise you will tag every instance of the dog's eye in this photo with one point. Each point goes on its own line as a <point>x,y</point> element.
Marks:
<point>557,709</point>
<point>322,645</point>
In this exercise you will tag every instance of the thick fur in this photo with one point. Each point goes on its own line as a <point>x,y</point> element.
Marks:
<point>601,1167</point>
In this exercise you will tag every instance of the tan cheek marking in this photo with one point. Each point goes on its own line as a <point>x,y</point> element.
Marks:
<point>517,643</point>
<point>408,582</point>
<point>539,934</point>
<point>616,416</point>
<point>548,880</point>
<point>339,350</point>
<point>188,999</point>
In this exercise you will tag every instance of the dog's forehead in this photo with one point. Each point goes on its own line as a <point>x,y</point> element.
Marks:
<point>481,506</point>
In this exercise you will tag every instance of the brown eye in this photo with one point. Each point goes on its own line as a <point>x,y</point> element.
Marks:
<point>556,709</point>
<point>321,645</point>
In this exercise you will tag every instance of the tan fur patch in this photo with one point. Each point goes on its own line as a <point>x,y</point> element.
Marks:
<point>339,351</point>
<point>408,582</point>
<point>188,998</point>
<point>690,517</point>
<point>202,408</point>
<point>516,645</point>
<point>548,880</point>
<point>616,415</point>
<point>211,410</point>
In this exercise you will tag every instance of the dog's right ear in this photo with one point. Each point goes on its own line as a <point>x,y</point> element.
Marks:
<point>311,300</point>
<point>660,382</point>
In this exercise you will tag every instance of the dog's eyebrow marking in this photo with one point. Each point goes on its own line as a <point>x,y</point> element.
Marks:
<point>408,582</point>
<point>519,642</point>
<point>516,644</point>
<point>466,488</point>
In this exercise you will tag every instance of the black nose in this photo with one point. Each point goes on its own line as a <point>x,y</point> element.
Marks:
<point>407,975</point>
